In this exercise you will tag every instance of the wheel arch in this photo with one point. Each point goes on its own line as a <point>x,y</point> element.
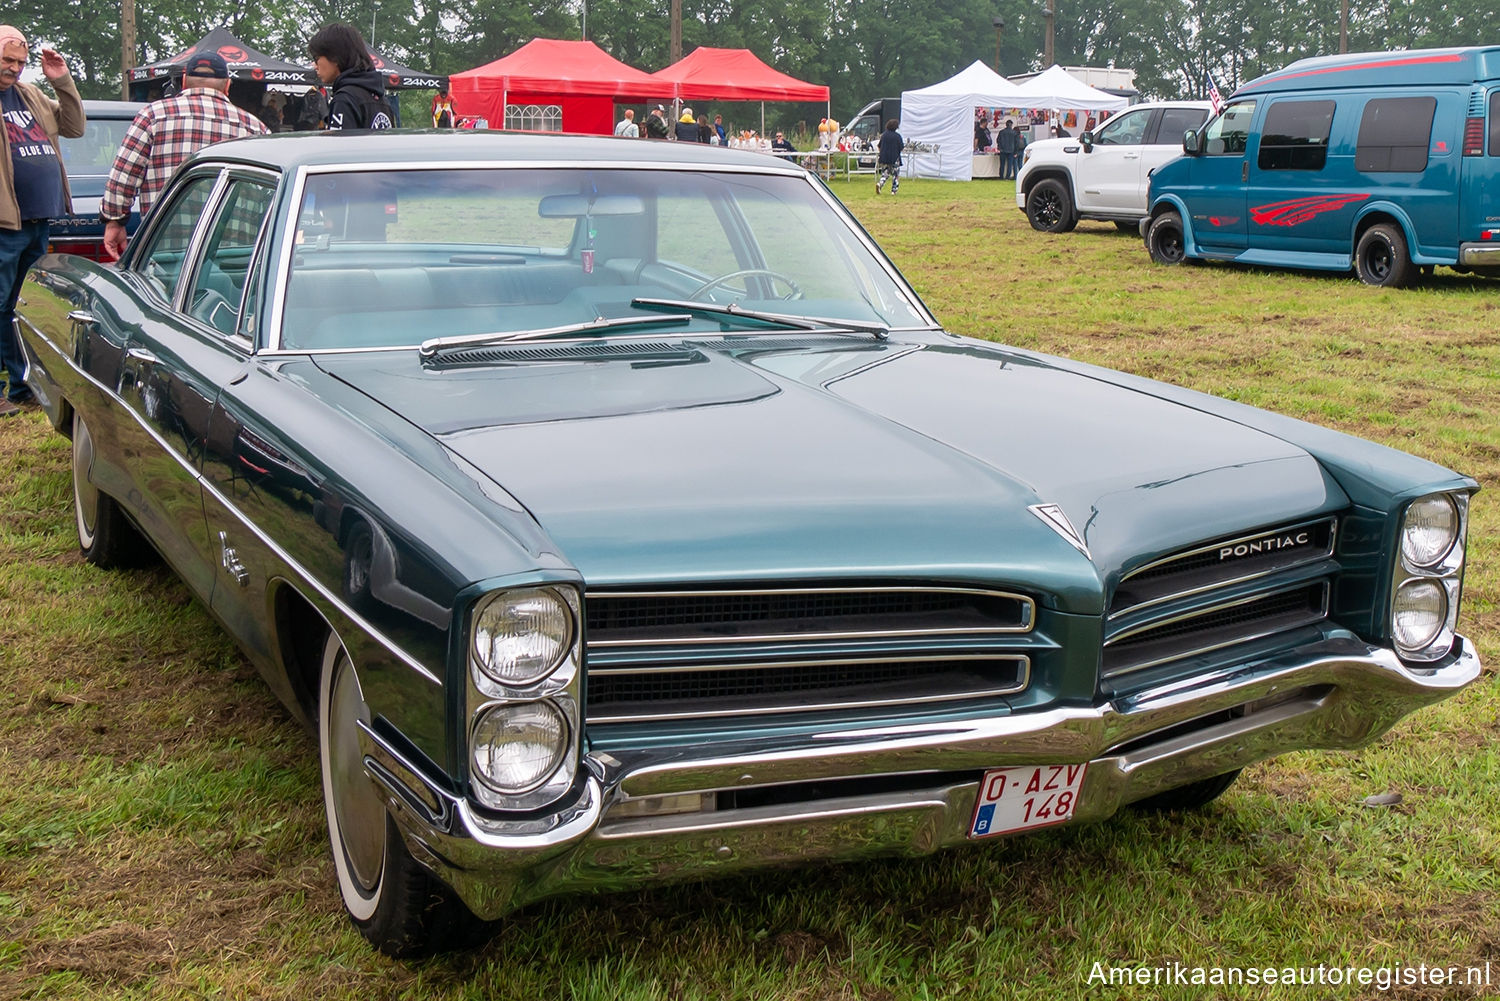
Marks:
<point>1050,173</point>
<point>1173,203</point>
<point>301,631</point>
<point>1386,212</point>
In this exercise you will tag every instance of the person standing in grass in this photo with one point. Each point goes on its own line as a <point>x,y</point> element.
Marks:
<point>1008,142</point>
<point>891,145</point>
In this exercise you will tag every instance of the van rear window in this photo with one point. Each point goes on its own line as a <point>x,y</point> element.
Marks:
<point>1394,135</point>
<point>1295,135</point>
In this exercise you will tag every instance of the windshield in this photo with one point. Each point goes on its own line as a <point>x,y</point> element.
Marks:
<point>399,257</point>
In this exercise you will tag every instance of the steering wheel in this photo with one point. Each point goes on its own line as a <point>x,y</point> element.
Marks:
<point>713,283</point>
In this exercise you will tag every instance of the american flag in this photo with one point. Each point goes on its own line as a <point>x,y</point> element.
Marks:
<point>1214,97</point>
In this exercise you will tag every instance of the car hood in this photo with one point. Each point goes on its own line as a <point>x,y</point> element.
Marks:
<point>759,459</point>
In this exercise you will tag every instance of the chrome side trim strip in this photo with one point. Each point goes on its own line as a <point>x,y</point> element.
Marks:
<point>304,577</point>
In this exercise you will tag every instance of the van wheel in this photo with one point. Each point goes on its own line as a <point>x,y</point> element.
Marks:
<point>1164,239</point>
<point>400,907</point>
<point>1381,257</point>
<point>1050,207</point>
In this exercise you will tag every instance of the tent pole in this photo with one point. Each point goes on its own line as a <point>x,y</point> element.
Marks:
<point>763,119</point>
<point>504,98</point>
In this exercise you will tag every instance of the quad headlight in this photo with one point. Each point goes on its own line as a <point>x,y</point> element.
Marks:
<point>1429,531</point>
<point>524,687</point>
<point>517,747</point>
<point>1428,581</point>
<point>521,636</point>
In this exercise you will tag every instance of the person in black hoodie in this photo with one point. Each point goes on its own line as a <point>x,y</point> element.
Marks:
<point>356,89</point>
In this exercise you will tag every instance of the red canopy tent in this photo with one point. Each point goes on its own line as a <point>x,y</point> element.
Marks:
<point>709,74</point>
<point>581,78</point>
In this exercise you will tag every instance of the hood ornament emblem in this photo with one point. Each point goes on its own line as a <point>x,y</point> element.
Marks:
<point>1053,515</point>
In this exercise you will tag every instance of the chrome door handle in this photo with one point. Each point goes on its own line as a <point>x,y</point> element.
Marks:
<point>82,316</point>
<point>142,355</point>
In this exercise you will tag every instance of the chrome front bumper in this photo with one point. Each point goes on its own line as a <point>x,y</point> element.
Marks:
<point>1340,693</point>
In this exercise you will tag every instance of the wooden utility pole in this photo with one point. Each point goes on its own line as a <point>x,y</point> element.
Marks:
<point>127,46</point>
<point>676,30</point>
<point>1051,14</point>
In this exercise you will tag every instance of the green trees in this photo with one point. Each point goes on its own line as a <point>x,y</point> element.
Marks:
<point>860,48</point>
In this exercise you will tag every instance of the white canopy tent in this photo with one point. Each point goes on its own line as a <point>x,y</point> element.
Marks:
<point>943,114</point>
<point>1056,88</point>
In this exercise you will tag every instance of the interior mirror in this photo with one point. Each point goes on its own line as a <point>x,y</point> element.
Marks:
<point>1190,142</point>
<point>577,206</point>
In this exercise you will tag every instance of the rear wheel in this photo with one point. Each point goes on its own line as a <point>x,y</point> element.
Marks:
<point>400,907</point>
<point>1381,257</point>
<point>1049,207</point>
<point>1192,796</point>
<point>106,537</point>
<point>1164,239</point>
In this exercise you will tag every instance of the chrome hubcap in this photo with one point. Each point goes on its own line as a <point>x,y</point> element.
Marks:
<point>359,811</point>
<point>85,495</point>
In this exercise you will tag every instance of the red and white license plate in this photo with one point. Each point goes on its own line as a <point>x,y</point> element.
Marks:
<point>1025,797</point>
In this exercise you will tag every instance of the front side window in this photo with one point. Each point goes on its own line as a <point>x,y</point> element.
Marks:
<point>161,261</point>
<point>1128,129</point>
<point>1295,135</point>
<point>219,281</point>
<point>1228,134</point>
<point>1394,133</point>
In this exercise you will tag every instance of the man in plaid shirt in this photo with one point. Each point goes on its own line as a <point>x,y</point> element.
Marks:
<point>163,134</point>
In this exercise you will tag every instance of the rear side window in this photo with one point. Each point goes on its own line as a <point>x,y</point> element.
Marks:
<point>1295,135</point>
<point>1394,134</point>
<point>1176,121</point>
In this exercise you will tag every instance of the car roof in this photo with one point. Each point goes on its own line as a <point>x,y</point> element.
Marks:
<point>111,109</point>
<point>291,150</point>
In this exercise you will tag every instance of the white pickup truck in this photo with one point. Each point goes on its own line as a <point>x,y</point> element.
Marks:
<point>1104,174</point>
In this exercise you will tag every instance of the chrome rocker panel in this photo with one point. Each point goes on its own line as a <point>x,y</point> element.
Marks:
<point>1339,693</point>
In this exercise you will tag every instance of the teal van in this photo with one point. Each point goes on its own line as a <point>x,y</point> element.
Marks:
<point>1384,163</point>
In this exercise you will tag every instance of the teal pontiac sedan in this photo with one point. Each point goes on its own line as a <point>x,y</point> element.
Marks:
<point>615,513</point>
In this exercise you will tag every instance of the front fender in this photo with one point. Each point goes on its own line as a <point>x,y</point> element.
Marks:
<point>1173,203</point>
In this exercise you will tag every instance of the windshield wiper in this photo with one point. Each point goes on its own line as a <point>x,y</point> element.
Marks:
<point>602,324</point>
<point>818,323</point>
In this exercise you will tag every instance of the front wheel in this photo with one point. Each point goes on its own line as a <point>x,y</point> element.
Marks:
<point>1381,257</point>
<point>1049,207</point>
<point>400,907</point>
<point>1193,796</point>
<point>1164,239</point>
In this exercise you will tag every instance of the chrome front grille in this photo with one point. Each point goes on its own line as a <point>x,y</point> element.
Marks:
<point>1231,590</point>
<point>1225,562</point>
<point>1215,627</point>
<point>688,654</point>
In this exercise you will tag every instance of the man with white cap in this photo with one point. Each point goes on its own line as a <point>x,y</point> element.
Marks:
<point>163,135</point>
<point>33,185</point>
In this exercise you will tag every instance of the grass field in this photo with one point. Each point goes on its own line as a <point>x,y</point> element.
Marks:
<point>161,833</point>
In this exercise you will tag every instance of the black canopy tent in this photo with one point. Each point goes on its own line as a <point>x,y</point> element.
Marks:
<point>246,66</point>
<point>398,77</point>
